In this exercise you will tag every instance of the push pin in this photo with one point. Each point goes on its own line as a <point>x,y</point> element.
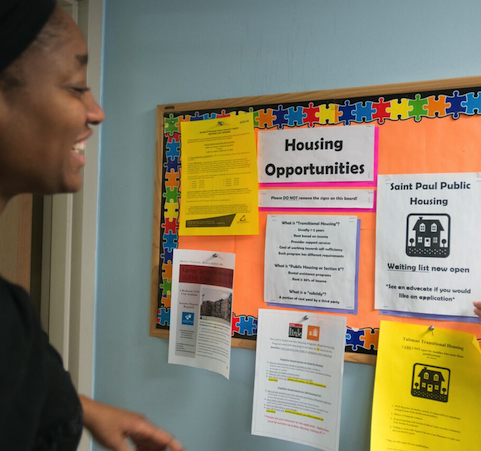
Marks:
<point>306,317</point>
<point>221,123</point>
<point>213,256</point>
<point>431,328</point>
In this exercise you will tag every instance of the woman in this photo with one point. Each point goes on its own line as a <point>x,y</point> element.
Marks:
<point>46,111</point>
<point>477,308</point>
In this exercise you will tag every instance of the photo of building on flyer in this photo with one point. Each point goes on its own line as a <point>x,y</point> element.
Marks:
<point>216,304</point>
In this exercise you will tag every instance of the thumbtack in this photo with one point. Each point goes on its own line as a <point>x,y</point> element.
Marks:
<point>431,328</point>
<point>221,123</point>
<point>215,256</point>
<point>306,317</point>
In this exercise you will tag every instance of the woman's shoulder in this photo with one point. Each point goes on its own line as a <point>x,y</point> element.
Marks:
<point>23,372</point>
<point>19,322</point>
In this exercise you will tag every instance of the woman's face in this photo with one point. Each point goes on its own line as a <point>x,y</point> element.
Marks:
<point>45,122</point>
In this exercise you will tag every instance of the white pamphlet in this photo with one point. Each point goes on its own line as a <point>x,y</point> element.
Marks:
<point>201,310</point>
<point>298,378</point>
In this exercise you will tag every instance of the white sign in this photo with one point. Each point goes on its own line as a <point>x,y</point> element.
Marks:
<point>298,379</point>
<point>428,243</point>
<point>316,198</point>
<point>311,260</point>
<point>327,154</point>
<point>201,310</point>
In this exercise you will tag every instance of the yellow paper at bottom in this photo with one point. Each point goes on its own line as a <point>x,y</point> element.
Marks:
<point>219,177</point>
<point>427,392</point>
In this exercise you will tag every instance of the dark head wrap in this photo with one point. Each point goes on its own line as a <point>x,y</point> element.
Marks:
<point>20,23</point>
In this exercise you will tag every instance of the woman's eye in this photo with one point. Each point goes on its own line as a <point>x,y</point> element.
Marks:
<point>81,90</point>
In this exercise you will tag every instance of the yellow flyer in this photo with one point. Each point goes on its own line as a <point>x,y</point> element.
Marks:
<point>427,392</point>
<point>219,177</point>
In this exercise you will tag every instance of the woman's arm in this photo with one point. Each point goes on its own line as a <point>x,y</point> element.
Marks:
<point>113,428</point>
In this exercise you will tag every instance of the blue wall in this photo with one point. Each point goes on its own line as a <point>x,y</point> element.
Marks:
<point>160,52</point>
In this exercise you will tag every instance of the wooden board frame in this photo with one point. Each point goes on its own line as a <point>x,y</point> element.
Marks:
<point>281,99</point>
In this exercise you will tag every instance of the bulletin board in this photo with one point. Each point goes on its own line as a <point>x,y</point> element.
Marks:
<point>424,127</point>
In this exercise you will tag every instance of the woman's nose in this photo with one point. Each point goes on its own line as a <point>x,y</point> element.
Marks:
<point>95,114</point>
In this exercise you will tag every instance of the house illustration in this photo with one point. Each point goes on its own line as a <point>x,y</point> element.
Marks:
<point>430,382</point>
<point>427,235</point>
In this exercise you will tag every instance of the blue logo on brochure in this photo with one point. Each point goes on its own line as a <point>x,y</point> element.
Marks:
<point>187,318</point>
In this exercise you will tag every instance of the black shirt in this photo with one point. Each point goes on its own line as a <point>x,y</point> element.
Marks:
<point>39,408</point>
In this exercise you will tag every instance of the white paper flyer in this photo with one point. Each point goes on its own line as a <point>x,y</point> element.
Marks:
<point>316,198</point>
<point>201,310</point>
<point>311,261</point>
<point>428,242</point>
<point>298,377</point>
<point>321,154</point>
